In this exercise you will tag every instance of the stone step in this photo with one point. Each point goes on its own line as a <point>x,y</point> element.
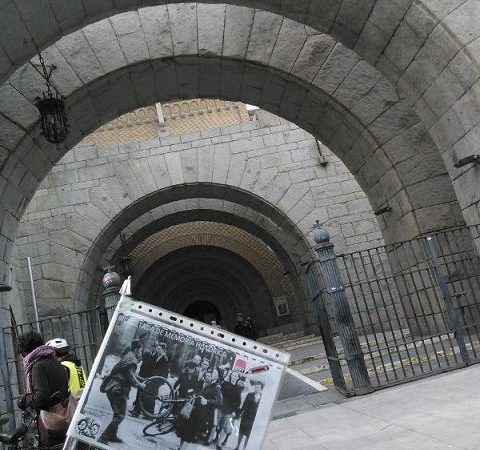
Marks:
<point>293,342</point>
<point>276,339</point>
<point>305,359</point>
<point>306,343</point>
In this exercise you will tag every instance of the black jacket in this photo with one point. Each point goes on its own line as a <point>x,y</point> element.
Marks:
<point>49,377</point>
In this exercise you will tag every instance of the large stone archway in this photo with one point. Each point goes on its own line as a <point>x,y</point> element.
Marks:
<point>390,151</point>
<point>343,101</point>
<point>267,237</point>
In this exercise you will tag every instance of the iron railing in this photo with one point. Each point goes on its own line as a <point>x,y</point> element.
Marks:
<point>415,304</point>
<point>83,330</point>
<point>415,307</point>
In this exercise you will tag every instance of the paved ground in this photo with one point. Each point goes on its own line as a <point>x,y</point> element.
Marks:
<point>436,413</point>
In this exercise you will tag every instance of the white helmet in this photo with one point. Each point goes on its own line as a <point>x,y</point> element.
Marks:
<point>58,343</point>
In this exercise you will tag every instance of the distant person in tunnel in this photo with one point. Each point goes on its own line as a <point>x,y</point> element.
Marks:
<point>245,327</point>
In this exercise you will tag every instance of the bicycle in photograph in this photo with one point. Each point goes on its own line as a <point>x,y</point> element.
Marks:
<point>157,402</point>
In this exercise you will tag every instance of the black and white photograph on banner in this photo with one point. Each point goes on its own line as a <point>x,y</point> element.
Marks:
<point>160,385</point>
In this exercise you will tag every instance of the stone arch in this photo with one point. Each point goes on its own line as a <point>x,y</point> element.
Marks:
<point>454,129</point>
<point>202,233</point>
<point>375,32</point>
<point>223,204</point>
<point>426,48</point>
<point>339,112</point>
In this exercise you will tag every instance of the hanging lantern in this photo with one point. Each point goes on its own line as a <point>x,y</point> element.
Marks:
<point>53,117</point>
<point>52,108</point>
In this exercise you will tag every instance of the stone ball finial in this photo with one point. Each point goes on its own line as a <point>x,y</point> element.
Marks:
<point>320,235</point>
<point>111,279</point>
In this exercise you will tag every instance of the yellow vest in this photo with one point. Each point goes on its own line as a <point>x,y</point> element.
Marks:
<point>76,376</point>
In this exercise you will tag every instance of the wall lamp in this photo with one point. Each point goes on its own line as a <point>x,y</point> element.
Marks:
<point>51,106</point>
<point>467,160</point>
<point>382,210</point>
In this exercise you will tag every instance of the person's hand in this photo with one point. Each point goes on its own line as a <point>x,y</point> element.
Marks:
<point>203,401</point>
<point>142,385</point>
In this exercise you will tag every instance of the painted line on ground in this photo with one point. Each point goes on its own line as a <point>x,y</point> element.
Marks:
<point>306,380</point>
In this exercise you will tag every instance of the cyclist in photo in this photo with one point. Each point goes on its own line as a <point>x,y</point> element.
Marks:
<point>117,387</point>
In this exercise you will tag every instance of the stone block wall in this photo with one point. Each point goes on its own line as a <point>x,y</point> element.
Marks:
<point>92,184</point>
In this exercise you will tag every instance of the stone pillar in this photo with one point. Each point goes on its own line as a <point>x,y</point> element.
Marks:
<point>343,316</point>
<point>111,282</point>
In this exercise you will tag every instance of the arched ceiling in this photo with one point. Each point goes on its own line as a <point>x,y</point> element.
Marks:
<point>188,204</point>
<point>330,92</point>
<point>215,234</point>
<point>368,27</point>
<point>194,273</point>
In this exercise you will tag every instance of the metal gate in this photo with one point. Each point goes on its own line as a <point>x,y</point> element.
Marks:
<point>415,308</point>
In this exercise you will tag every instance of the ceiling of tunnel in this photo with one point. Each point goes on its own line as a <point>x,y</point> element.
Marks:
<point>208,273</point>
<point>205,233</point>
<point>301,74</point>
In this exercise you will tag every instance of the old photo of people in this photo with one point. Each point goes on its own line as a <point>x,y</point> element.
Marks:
<point>164,387</point>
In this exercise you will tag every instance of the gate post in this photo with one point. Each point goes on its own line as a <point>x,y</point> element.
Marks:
<point>325,330</point>
<point>6,379</point>
<point>111,284</point>
<point>343,316</point>
<point>459,331</point>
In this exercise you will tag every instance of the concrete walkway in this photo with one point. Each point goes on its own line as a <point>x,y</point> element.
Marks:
<point>436,413</point>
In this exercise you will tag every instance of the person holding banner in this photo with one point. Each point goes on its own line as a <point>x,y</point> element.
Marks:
<point>117,387</point>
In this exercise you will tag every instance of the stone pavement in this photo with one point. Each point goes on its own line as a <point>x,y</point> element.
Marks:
<point>436,413</point>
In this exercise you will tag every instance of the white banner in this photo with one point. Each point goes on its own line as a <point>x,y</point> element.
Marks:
<point>164,381</point>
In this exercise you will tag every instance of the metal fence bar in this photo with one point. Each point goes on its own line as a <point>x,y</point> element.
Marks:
<point>461,283</point>
<point>435,328</point>
<point>381,326</point>
<point>399,326</point>
<point>6,379</point>
<point>361,320</point>
<point>405,317</point>
<point>459,334</point>
<point>411,280</point>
